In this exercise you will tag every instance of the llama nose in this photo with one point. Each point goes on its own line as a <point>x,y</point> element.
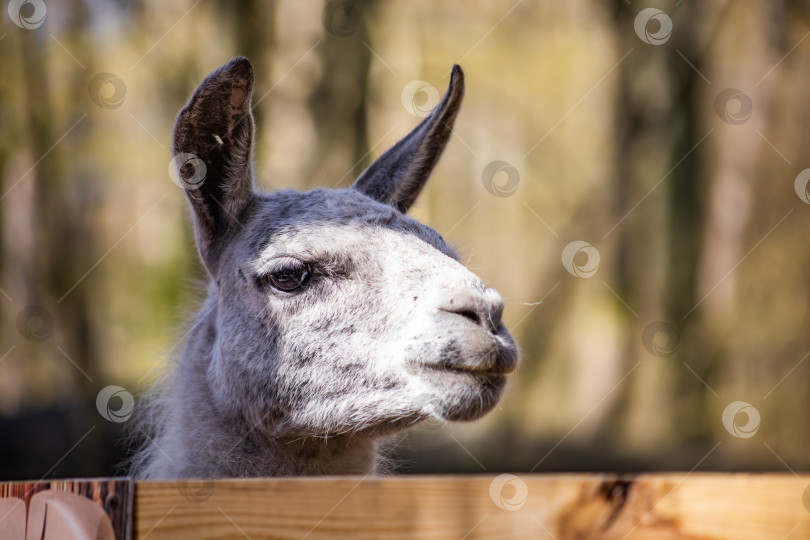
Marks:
<point>483,308</point>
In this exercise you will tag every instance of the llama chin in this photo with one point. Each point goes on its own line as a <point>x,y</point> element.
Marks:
<point>332,320</point>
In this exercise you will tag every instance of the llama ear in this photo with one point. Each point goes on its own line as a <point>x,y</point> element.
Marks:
<point>397,177</point>
<point>213,140</point>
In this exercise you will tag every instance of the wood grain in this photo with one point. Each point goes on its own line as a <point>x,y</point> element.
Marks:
<point>114,495</point>
<point>656,506</point>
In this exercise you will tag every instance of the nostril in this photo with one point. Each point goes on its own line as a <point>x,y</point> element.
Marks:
<point>485,310</point>
<point>473,316</point>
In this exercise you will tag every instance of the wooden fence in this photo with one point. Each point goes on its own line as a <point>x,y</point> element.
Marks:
<point>562,507</point>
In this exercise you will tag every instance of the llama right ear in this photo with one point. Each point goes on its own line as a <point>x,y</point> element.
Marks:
<point>213,140</point>
<point>399,175</point>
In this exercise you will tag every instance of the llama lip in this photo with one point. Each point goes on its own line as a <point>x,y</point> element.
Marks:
<point>489,371</point>
<point>464,371</point>
<point>499,360</point>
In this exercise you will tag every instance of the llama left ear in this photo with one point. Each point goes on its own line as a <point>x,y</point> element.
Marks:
<point>399,175</point>
<point>213,140</point>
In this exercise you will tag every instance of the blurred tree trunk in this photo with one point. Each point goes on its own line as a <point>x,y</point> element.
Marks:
<point>255,30</point>
<point>63,243</point>
<point>338,103</point>
<point>654,173</point>
<point>742,64</point>
<point>15,254</point>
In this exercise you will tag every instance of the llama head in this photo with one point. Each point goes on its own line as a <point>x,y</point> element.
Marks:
<point>335,312</point>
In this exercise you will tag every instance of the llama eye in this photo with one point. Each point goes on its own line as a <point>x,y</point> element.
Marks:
<point>290,276</point>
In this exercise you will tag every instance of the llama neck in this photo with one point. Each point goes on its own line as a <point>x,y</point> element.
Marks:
<point>235,450</point>
<point>312,456</point>
<point>200,440</point>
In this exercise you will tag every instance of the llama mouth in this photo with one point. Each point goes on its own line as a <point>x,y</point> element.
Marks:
<point>476,370</point>
<point>467,374</point>
<point>463,370</point>
<point>499,358</point>
<point>503,365</point>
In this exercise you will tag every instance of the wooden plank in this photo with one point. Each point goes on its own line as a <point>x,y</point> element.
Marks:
<point>656,506</point>
<point>25,505</point>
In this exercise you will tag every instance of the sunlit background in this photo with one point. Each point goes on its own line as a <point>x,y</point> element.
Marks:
<point>627,174</point>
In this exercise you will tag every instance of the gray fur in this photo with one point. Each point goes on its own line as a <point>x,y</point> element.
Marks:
<point>389,330</point>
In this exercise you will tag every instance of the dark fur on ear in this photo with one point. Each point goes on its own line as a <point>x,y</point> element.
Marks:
<point>399,175</point>
<point>216,126</point>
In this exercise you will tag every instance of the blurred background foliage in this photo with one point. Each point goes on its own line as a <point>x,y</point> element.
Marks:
<point>623,138</point>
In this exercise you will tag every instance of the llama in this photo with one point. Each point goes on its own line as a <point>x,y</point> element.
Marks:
<point>332,321</point>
